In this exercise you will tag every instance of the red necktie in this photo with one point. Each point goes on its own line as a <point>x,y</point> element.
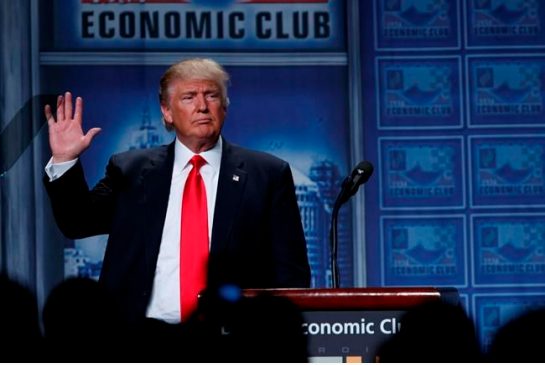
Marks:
<point>193,239</point>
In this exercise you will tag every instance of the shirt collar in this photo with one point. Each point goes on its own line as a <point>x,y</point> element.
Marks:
<point>182,155</point>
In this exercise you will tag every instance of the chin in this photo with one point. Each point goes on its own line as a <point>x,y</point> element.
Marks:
<point>211,136</point>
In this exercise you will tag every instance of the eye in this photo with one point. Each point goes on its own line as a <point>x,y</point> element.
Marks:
<point>212,96</point>
<point>187,99</point>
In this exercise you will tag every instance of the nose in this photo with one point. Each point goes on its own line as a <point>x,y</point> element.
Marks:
<point>201,103</point>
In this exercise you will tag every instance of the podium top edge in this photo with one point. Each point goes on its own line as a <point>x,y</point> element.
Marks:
<point>360,298</point>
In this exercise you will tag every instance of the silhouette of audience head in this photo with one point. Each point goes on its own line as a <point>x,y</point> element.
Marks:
<point>435,331</point>
<point>154,340</point>
<point>81,323</point>
<point>19,323</point>
<point>79,314</point>
<point>227,327</point>
<point>519,340</point>
<point>269,327</point>
<point>247,328</point>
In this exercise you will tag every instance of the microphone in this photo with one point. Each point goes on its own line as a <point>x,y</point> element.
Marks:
<point>350,185</point>
<point>361,173</point>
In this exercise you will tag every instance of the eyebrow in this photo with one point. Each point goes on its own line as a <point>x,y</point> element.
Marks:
<point>205,91</point>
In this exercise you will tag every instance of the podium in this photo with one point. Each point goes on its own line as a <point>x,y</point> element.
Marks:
<point>349,325</point>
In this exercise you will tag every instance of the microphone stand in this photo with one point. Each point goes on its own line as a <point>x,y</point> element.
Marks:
<point>334,244</point>
<point>349,187</point>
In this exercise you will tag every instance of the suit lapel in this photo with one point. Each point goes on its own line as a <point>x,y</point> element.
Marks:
<point>231,183</point>
<point>156,179</point>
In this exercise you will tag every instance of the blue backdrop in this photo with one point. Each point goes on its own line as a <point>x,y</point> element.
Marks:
<point>445,97</point>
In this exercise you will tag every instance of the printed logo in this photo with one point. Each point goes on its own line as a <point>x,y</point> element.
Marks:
<point>509,250</point>
<point>341,336</point>
<point>513,23</point>
<point>506,90</point>
<point>417,23</point>
<point>494,311</point>
<point>421,173</point>
<point>508,171</point>
<point>419,93</point>
<point>423,251</point>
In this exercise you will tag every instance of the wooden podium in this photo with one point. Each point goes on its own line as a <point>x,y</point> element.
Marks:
<point>348,325</point>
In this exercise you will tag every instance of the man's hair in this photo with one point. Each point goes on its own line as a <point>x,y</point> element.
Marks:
<point>194,69</point>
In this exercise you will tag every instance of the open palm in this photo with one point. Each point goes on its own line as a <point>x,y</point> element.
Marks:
<point>66,138</point>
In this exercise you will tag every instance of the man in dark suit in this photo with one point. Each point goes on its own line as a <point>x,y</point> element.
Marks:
<point>255,232</point>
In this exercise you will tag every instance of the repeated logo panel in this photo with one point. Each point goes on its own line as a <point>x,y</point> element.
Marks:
<point>455,120</point>
<point>507,90</point>
<point>421,172</point>
<point>495,310</point>
<point>419,93</point>
<point>507,171</point>
<point>405,24</point>
<point>423,250</point>
<point>509,249</point>
<point>505,23</point>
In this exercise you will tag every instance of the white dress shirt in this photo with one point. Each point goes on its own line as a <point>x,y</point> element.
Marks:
<point>165,297</point>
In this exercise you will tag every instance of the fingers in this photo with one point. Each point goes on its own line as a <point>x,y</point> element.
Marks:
<point>65,108</point>
<point>48,115</point>
<point>91,134</point>
<point>60,108</point>
<point>68,105</point>
<point>79,110</point>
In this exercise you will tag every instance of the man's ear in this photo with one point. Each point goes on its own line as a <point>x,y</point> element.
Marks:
<point>167,115</point>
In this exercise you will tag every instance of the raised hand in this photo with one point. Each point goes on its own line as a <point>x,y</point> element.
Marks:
<point>66,138</point>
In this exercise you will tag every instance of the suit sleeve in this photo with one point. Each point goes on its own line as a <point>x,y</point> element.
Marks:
<point>80,212</point>
<point>288,239</point>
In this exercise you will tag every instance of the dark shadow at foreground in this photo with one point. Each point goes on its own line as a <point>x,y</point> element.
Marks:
<point>433,332</point>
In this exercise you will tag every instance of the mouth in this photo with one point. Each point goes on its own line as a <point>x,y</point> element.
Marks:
<point>202,121</point>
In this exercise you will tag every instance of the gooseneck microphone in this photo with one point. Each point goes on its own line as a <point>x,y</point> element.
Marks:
<point>350,185</point>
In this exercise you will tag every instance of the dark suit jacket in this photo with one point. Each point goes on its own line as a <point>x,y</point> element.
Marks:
<point>257,238</point>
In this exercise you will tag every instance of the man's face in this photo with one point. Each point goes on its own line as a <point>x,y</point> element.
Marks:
<point>196,112</point>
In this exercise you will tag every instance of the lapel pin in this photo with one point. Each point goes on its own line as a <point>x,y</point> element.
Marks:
<point>236,178</point>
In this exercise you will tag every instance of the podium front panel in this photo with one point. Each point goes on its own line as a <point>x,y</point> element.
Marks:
<point>349,325</point>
